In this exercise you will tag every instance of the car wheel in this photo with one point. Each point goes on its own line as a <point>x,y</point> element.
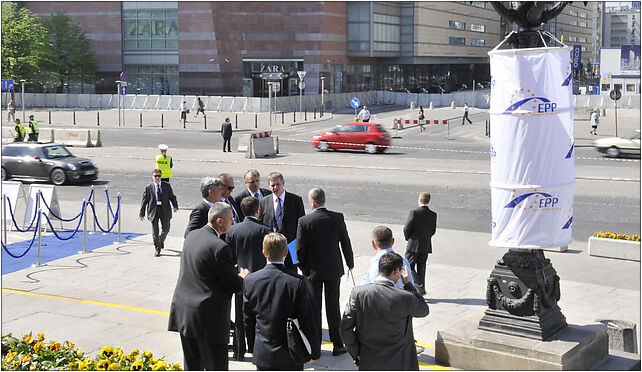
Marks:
<point>58,177</point>
<point>5,174</point>
<point>371,148</point>
<point>613,152</point>
<point>324,146</point>
<point>382,149</point>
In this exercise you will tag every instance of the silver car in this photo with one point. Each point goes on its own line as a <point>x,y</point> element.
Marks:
<point>616,146</point>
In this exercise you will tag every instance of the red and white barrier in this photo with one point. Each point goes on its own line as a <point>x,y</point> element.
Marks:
<point>422,122</point>
<point>261,135</point>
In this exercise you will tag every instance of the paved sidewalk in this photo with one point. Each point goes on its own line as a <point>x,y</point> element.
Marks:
<point>120,294</point>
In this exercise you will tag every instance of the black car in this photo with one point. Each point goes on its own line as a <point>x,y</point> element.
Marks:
<point>45,162</point>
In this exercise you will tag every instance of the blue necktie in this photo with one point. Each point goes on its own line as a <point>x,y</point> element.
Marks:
<point>279,216</point>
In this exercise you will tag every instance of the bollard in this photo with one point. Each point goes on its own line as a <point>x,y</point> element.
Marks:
<point>432,105</point>
<point>118,217</point>
<point>236,119</point>
<point>4,217</point>
<point>161,120</point>
<point>141,120</point>
<point>294,115</point>
<point>107,204</point>
<point>282,117</point>
<point>74,117</point>
<point>453,105</point>
<point>84,224</point>
<point>205,123</point>
<point>255,121</point>
<point>315,114</point>
<point>39,234</point>
<point>305,115</point>
<point>93,202</point>
<point>321,111</point>
<point>97,118</point>
<point>49,117</point>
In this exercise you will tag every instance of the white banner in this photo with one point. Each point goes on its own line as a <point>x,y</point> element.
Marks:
<point>532,147</point>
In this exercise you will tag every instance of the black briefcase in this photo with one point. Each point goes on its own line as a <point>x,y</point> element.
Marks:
<point>298,344</point>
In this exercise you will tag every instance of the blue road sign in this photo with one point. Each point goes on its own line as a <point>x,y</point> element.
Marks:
<point>123,77</point>
<point>7,84</point>
<point>355,102</point>
<point>123,90</point>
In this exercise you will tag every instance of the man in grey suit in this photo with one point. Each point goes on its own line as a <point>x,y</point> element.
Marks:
<point>211,190</point>
<point>156,198</point>
<point>226,133</point>
<point>377,323</point>
<point>246,240</point>
<point>419,229</point>
<point>201,305</point>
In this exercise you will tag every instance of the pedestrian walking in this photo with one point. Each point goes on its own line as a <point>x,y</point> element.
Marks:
<point>11,111</point>
<point>317,249</point>
<point>595,121</point>
<point>156,200</point>
<point>18,132</point>
<point>184,111</point>
<point>418,231</point>
<point>226,133</point>
<point>33,131</point>
<point>364,114</point>
<point>463,120</point>
<point>421,117</point>
<point>164,163</point>
<point>271,296</point>
<point>377,322</point>
<point>201,107</point>
<point>202,301</point>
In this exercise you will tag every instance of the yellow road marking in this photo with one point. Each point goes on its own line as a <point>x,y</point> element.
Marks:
<point>436,367</point>
<point>424,344</point>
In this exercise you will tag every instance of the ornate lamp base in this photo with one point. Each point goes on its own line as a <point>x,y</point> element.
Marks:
<point>522,294</point>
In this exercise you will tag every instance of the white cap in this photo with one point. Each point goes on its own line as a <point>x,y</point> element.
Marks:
<point>162,147</point>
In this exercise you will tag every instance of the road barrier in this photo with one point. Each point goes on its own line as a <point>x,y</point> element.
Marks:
<point>420,122</point>
<point>81,217</point>
<point>261,144</point>
<point>77,137</point>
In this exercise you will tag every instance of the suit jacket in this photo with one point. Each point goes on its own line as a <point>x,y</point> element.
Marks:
<point>246,240</point>
<point>270,296</point>
<point>198,217</point>
<point>293,209</point>
<point>317,245</point>
<point>226,129</point>
<point>419,228</point>
<point>149,200</point>
<point>206,281</point>
<point>243,194</point>
<point>240,214</point>
<point>377,326</point>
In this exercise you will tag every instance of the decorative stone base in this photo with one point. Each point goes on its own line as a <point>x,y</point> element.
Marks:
<point>465,346</point>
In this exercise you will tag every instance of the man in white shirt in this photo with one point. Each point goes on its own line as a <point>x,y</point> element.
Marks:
<point>463,121</point>
<point>364,114</point>
<point>382,242</point>
<point>252,181</point>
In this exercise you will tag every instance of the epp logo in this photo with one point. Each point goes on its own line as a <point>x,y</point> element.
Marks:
<point>493,153</point>
<point>545,106</point>
<point>542,201</point>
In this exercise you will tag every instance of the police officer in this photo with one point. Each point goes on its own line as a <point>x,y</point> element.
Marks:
<point>19,132</point>
<point>33,131</point>
<point>164,162</point>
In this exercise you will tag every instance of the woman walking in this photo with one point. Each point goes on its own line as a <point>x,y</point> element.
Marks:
<point>11,115</point>
<point>421,117</point>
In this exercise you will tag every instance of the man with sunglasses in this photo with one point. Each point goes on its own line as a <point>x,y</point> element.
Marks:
<point>226,196</point>
<point>156,198</point>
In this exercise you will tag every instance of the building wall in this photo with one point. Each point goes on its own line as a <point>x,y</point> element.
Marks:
<point>622,26</point>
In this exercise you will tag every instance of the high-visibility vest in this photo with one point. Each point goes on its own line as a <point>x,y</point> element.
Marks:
<point>19,132</point>
<point>33,127</point>
<point>163,163</point>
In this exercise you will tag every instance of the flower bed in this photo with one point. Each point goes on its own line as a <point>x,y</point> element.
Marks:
<point>30,354</point>
<point>611,245</point>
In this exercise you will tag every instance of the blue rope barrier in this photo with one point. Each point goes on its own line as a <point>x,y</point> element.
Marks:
<point>113,215</point>
<point>98,223</point>
<point>60,218</point>
<point>13,218</point>
<point>6,249</point>
<point>75,230</point>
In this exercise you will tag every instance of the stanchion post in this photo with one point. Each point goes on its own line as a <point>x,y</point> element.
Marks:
<point>93,202</point>
<point>205,117</point>
<point>74,117</point>
<point>84,226</point>
<point>161,120</point>
<point>39,234</point>
<point>49,117</point>
<point>4,216</point>
<point>107,204</point>
<point>236,120</point>
<point>315,114</point>
<point>141,120</point>
<point>256,121</point>
<point>282,117</point>
<point>305,115</point>
<point>294,115</point>
<point>97,118</point>
<point>118,217</point>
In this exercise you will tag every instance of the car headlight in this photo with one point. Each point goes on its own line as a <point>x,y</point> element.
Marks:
<point>71,166</point>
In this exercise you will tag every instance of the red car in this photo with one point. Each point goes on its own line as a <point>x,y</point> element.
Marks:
<point>370,137</point>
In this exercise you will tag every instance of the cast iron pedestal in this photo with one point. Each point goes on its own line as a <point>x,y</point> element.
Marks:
<point>522,294</point>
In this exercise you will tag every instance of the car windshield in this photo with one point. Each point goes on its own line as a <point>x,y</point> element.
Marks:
<point>56,152</point>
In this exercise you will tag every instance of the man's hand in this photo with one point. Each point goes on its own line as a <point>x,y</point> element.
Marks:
<point>312,361</point>
<point>405,277</point>
<point>243,272</point>
<point>142,218</point>
<point>175,209</point>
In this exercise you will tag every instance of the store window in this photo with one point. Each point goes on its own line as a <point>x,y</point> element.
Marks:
<point>457,24</point>
<point>457,40</point>
<point>150,29</point>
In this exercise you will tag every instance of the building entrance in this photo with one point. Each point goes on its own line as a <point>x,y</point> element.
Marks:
<point>261,72</point>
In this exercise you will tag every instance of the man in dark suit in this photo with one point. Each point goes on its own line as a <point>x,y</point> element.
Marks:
<point>281,210</point>
<point>246,240</point>
<point>226,133</point>
<point>271,296</point>
<point>317,249</point>
<point>211,190</point>
<point>419,228</point>
<point>156,198</point>
<point>252,181</point>
<point>377,322</point>
<point>201,305</point>
<point>226,196</point>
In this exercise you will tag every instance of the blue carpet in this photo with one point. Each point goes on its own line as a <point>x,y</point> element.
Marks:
<point>53,248</point>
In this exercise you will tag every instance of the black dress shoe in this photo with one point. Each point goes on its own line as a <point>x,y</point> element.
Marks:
<point>336,351</point>
<point>239,358</point>
<point>157,252</point>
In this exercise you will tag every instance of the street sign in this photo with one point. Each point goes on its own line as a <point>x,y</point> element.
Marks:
<point>7,84</point>
<point>577,57</point>
<point>615,94</point>
<point>123,84</point>
<point>123,77</point>
<point>123,90</point>
<point>355,102</point>
<point>276,87</point>
<point>301,74</point>
<point>302,85</point>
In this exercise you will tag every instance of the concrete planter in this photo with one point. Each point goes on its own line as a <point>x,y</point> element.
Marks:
<point>614,248</point>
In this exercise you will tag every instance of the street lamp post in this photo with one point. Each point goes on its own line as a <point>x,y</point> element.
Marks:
<point>270,100</point>
<point>118,82</point>
<point>22,98</point>
<point>322,95</point>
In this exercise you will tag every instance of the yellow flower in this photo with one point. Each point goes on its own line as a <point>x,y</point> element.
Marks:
<point>38,346</point>
<point>54,346</point>
<point>137,366</point>
<point>107,352</point>
<point>15,364</point>
<point>147,354</point>
<point>102,365</point>
<point>33,367</point>
<point>25,358</point>
<point>159,366</point>
<point>176,367</point>
<point>83,367</point>
<point>154,360</point>
<point>10,355</point>
<point>69,345</point>
<point>136,352</point>
<point>114,367</point>
<point>78,353</point>
<point>29,340</point>
<point>41,336</point>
